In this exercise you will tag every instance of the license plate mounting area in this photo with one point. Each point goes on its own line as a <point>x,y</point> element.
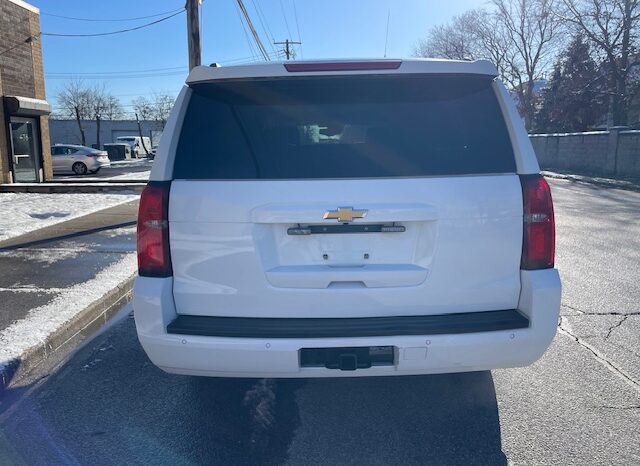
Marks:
<point>347,358</point>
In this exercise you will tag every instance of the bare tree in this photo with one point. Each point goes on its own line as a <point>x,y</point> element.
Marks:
<point>162,105</point>
<point>476,34</point>
<point>104,106</point>
<point>74,101</point>
<point>531,32</point>
<point>98,107</point>
<point>518,36</point>
<point>143,107</point>
<point>113,108</point>
<point>157,108</point>
<point>493,42</point>
<point>455,40</point>
<point>610,25</point>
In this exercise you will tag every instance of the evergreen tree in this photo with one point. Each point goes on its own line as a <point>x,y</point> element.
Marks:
<point>574,98</point>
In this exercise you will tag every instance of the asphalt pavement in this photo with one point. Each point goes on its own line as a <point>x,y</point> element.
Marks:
<point>40,265</point>
<point>580,404</point>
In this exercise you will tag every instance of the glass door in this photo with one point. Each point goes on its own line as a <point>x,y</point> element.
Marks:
<point>26,150</point>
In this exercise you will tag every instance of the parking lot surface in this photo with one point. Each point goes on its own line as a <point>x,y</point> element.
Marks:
<point>580,404</point>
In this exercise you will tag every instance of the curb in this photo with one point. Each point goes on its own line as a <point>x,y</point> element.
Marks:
<point>120,215</point>
<point>50,188</point>
<point>597,181</point>
<point>82,325</point>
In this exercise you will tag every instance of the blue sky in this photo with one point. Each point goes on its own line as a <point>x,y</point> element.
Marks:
<point>328,29</point>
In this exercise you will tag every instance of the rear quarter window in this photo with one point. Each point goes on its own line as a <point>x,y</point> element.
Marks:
<point>343,127</point>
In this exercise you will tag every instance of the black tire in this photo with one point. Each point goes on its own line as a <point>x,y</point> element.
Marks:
<point>79,168</point>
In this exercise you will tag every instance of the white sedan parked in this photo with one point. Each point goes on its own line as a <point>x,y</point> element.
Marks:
<point>80,160</point>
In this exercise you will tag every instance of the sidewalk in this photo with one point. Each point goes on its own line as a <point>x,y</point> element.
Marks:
<point>627,184</point>
<point>62,282</point>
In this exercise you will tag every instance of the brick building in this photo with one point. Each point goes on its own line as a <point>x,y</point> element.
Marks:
<point>24,129</point>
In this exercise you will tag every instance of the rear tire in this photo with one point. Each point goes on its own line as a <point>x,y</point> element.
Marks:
<point>79,168</point>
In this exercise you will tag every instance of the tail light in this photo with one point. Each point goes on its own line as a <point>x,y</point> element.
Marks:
<point>538,240</point>
<point>154,258</point>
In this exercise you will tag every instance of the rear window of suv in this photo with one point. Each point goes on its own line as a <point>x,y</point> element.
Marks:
<point>343,127</point>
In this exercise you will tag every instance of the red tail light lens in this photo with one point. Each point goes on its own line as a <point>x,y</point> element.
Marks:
<point>154,258</point>
<point>539,237</point>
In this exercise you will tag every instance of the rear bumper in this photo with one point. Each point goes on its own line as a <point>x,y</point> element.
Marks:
<point>273,356</point>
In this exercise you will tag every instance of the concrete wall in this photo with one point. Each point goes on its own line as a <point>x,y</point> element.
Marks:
<point>67,132</point>
<point>606,153</point>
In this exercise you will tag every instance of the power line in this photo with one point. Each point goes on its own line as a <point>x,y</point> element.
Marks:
<point>276,55</point>
<point>295,15</point>
<point>119,72</point>
<point>28,40</point>
<point>386,36</point>
<point>115,32</point>
<point>256,36</point>
<point>263,22</point>
<point>129,76</point>
<point>246,34</point>
<point>111,20</point>
<point>143,94</point>
<point>284,15</point>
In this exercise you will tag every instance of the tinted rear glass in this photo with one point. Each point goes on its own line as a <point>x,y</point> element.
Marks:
<point>343,127</point>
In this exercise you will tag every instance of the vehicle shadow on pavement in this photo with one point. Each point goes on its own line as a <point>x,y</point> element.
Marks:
<point>434,419</point>
<point>109,405</point>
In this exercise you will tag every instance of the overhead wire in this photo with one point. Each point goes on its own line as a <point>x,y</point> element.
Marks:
<point>265,24</point>
<point>120,72</point>
<point>28,40</point>
<point>254,33</point>
<point>284,15</point>
<point>114,32</point>
<point>295,15</point>
<point>111,20</point>
<point>123,76</point>
<point>246,34</point>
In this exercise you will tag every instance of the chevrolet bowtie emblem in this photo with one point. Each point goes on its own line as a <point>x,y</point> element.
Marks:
<point>344,214</point>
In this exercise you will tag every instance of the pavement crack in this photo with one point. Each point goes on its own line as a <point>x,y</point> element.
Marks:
<point>573,308</point>
<point>619,407</point>
<point>625,317</point>
<point>599,357</point>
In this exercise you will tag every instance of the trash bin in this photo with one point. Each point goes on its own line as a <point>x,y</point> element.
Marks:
<point>118,151</point>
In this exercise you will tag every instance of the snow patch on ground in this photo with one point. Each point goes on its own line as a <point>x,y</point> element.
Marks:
<point>42,321</point>
<point>21,213</point>
<point>47,256</point>
<point>136,176</point>
<point>115,232</point>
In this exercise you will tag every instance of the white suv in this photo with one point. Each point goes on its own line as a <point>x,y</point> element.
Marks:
<point>344,219</point>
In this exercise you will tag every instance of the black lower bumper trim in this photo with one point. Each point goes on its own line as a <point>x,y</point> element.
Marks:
<point>253,327</point>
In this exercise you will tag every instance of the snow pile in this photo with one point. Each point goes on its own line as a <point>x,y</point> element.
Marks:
<point>24,212</point>
<point>42,321</point>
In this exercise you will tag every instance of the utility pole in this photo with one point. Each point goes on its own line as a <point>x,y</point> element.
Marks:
<point>288,51</point>
<point>193,32</point>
